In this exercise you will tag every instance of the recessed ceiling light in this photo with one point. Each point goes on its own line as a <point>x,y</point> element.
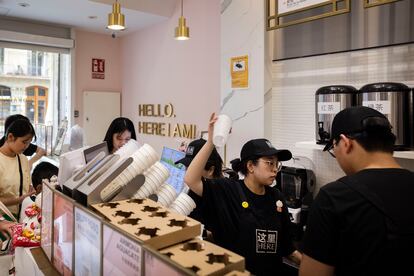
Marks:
<point>92,17</point>
<point>24,5</point>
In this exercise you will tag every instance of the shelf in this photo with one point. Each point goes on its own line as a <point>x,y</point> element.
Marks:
<point>312,145</point>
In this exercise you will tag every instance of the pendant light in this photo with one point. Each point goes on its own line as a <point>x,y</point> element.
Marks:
<point>116,20</point>
<point>182,32</point>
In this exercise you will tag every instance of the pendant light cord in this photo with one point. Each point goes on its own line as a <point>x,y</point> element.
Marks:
<point>182,7</point>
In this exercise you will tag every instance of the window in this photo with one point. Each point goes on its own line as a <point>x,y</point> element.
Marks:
<point>35,84</point>
<point>1,60</point>
<point>5,100</point>
<point>36,104</point>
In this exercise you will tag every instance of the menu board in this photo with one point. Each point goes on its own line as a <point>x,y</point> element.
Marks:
<point>47,220</point>
<point>155,266</point>
<point>121,255</point>
<point>63,235</point>
<point>87,244</point>
<point>285,6</point>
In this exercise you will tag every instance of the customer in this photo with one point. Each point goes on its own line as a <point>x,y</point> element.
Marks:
<point>247,216</point>
<point>5,228</point>
<point>14,166</point>
<point>363,223</point>
<point>32,149</point>
<point>212,170</point>
<point>43,170</point>
<point>119,133</point>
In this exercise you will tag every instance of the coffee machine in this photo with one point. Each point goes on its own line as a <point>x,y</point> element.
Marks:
<point>297,185</point>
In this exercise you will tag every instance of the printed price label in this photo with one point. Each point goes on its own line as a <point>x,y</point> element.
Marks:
<point>329,108</point>
<point>382,106</point>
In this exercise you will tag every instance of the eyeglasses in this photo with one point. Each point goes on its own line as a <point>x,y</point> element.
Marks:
<point>330,150</point>
<point>273,164</point>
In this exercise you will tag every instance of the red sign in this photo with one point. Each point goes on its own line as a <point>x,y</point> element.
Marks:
<point>98,68</point>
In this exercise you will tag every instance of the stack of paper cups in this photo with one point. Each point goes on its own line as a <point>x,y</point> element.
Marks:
<point>166,194</point>
<point>183,204</point>
<point>143,158</point>
<point>221,130</point>
<point>128,149</point>
<point>154,177</point>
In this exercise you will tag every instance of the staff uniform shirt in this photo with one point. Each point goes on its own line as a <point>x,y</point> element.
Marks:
<point>259,233</point>
<point>346,231</point>
<point>10,177</point>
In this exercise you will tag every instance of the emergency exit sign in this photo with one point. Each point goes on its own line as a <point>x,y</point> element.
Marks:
<point>98,68</point>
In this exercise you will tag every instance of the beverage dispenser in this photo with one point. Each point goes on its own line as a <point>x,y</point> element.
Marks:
<point>297,185</point>
<point>392,100</point>
<point>329,100</point>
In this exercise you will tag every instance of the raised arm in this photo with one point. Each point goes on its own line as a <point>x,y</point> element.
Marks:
<point>195,170</point>
<point>39,153</point>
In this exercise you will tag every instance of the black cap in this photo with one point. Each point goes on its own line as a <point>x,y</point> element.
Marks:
<point>263,147</point>
<point>357,119</point>
<point>193,148</point>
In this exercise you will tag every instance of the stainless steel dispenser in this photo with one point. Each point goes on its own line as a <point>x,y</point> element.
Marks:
<point>329,100</point>
<point>392,100</point>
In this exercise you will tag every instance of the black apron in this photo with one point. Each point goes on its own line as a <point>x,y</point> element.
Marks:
<point>259,239</point>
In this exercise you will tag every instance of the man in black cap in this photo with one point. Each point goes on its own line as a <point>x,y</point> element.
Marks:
<point>360,224</point>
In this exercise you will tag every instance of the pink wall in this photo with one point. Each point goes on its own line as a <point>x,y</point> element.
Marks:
<point>159,70</point>
<point>92,45</point>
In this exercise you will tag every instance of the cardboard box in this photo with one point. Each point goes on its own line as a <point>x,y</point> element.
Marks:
<point>149,221</point>
<point>204,258</point>
<point>238,273</point>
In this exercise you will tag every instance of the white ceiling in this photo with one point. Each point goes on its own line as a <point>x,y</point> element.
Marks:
<point>75,13</point>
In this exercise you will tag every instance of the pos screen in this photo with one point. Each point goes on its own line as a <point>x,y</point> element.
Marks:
<point>91,152</point>
<point>177,171</point>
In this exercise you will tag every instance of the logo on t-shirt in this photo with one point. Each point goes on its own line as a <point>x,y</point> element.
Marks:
<point>190,150</point>
<point>266,241</point>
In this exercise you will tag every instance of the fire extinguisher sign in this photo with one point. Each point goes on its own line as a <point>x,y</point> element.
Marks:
<point>98,68</point>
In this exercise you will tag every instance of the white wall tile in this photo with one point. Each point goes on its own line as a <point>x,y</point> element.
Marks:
<point>295,82</point>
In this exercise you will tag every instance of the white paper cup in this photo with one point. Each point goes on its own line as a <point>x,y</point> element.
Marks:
<point>167,194</point>
<point>161,169</point>
<point>221,130</point>
<point>141,164</point>
<point>178,209</point>
<point>160,176</point>
<point>150,153</point>
<point>186,200</point>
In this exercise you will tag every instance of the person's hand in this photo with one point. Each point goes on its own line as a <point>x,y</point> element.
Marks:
<point>31,192</point>
<point>5,227</point>
<point>40,152</point>
<point>213,120</point>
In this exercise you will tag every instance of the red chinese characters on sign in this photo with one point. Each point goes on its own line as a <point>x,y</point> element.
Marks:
<point>98,68</point>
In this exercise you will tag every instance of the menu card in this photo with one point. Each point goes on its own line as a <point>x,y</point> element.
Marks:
<point>47,220</point>
<point>122,256</point>
<point>155,266</point>
<point>88,240</point>
<point>63,235</point>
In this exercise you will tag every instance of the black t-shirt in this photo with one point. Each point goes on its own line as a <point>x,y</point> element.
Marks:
<point>260,233</point>
<point>197,213</point>
<point>346,231</point>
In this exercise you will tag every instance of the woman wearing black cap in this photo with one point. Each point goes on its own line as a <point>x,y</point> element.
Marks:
<point>247,216</point>
<point>212,170</point>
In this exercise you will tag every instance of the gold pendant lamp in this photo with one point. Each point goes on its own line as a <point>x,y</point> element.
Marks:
<point>116,20</point>
<point>182,32</point>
